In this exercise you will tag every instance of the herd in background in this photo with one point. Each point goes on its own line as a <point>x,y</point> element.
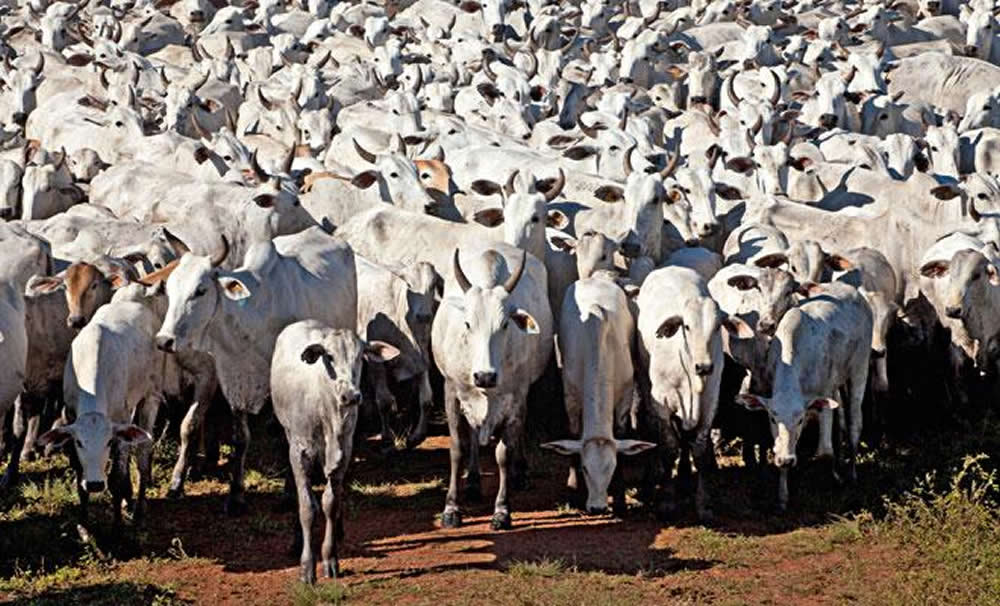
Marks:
<point>326,204</point>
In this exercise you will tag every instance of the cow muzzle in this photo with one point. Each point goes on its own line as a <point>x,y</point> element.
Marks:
<point>166,343</point>
<point>766,327</point>
<point>597,511</point>
<point>785,461</point>
<point>971,50</point>
<point>484,380</point>
<point>19,118</point>
<point>828,121</point>
<point>698,99</point>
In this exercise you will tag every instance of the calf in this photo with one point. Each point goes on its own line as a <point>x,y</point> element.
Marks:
<point>595,340</point>
<point>820,355</point>
<point>317,404</point>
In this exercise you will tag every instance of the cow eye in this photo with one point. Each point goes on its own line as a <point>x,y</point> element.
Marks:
<point>504,325</point>
<point>981,196</point>
<point>933,148</point>
<point>395,111</point>
<point>614,148</point>
<point>604,257</point>
<point>93,285</point>
<point>452,131</point>
<point>467,327</point>
<point>883,117</point>
<point>227,158</point>
<point>198,292</point>
<point>376,59</point>
<point>534,218</point>
<point>425,175</point>
<point>79,443</point>
<point>394,175</point>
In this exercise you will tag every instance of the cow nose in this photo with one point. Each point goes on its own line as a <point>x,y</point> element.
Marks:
<point>75,321</point>
<point>165,343</point>
<point>94,486</point>
<point>699,99</point>
<point>352,398</point>
<point>766,327</point>
<point>878,353</point>
<point>709,229</point>
<point>430,208</point>
<point>828,121</point>
<point>597,511</point>
<point>6,214</point>
<point>933,6</point>
<point>19,118</point>
<point>704,369</point>
<point>692,242</point>
<point>785,460</point>
<point>953,311</point>
<point>971,50</point>
<point>197,15</point>
<point>484,380</point>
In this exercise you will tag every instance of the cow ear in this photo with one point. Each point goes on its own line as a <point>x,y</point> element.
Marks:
<point>201,154</point>
<point>523,320</point>
<point>132,434</point>
<point>802,163</point>
<point>669,327</point>
<point>560,141</point>
<point>752,402</point>
<point>78,60</point>
<point>265,200</point>
<point>736,327</point>
<point>991,271</point>
<point>772,260</point>
<point>470,6</point>
<point>579,152</point>
<point>42,285</point>
<point>489,91</point>
<point>312,353</point>
<point>233,288</point>
<point>837,262</point>
<point>380,351</point>
<point>740,164</point>
<point>563,242</point>
<point>609,193</point>
<point>728,192</point>
<point>489,217</point>
<point>824,403</point>
<point>742,282</point>
<point>57,436</point>
<point>364,180</point>
<point>632,447</point>
<point>564,447</point>
<point>485,187</point>
<point>556,219</point>
<point>946,191</point>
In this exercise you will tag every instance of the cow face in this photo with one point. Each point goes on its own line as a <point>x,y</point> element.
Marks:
<point>973,284</point>
<point>902,156</point>
<point>316,128</point>
<point>787,415</point>
<point>700,191</point>
<point>594,251</point>
<point>598,460</point>
<point>195,290</point>
<point>86,288</point>
<point>339,356</point>
<point>881,116</point>
<point>981,29</point>
<point>424,287</point>
<point>766,294</point>
<point>702,77</point>
<point>692,339</point>
<point>19,96</point>
<point>93,435</point>
<point>941,146</point>
<point>397,178</point>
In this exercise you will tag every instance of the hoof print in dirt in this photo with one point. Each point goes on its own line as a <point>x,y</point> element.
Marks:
<point>451,519</point>
<point>500,521</point>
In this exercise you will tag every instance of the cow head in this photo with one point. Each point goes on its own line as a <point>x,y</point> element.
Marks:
<point>524,214</point>
<point>787,415</point>
<point>760,296</point>
<point>593,250</point>
<point>18,91</point>
<point>48,189</point>
<point>86,287</point>
<point>981,30</point>
<point>941,146</point>
<point>397,178</point>
<point>338,357</point>
<point>10,185</point>
<point>598,460</point>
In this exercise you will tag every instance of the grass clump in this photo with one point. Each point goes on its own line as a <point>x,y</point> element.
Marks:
<point>322,593</point>
<point>545,568</point>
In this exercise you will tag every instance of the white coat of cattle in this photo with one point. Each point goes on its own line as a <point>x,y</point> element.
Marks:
<point>236,315</point>
<point>315,384</point>
<point>820,356</point>
<point>680,354</point>
<point>491,339</point>
<point>596,331</point>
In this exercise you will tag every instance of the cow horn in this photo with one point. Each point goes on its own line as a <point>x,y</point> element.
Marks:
<point>590,131</point>
<point>628,9</point>
<point>230,52</point>
<point>533,69</point>
<point>564,47</point>
<point>624,121</point>
<point>672,163</point>
<point>511,283</point>
<point>295,96</point>
<point>731,90</point>
<point>776,95</point>
<point>419,82</point>
<point>750,142</point>
<point>790,133</point>
<point>62,158</point>
<point>757,126</point>
<point>850,75</point>
<point>286,166</point>
<point>401,143</point>
<point>218,258</point>
<point>651,20</point>
<point>463,282</point>
<point>489,72</point>
<point>364,153</point>
<point>230,120</point>
<point>627,160</point>
<point>508,187</point>
<point>198,128</point>
<point>40,64</point>
<point>881,50</point>
<point>257,170</point>
<point>104,78</point>
<point>180,248</point>
<point>196,52</point>
<point>557,186</point>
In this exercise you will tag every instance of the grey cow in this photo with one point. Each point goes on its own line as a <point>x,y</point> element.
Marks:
<point>315,386</point>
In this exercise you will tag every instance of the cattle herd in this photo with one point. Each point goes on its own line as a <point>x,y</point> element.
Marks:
<point>327,205</point>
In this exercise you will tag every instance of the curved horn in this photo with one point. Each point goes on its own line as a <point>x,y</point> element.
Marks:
<point>419,82</point>
<point>750,142</point>
<point>731,90</point>
<point>198,128</point>
<point>624,121</point>
<point>533,69</point>
<point>850,75</point>
<point>576,34</point>
<point>180,248</point>
<point>628,9</point>
<point>557,187</point>
<point>196,52</point>
<point>789,134</point>
<point>257,170</point>
<point>757,126</point>
<point>401,143</point>
<point>651,20</point>
<point>364,153</point>
<point>672,163</point>
<point>508,187</point>
<point>230,52</point>
<point>286,166</point>
<point>463,282</point>
<point>40,64</point>
<point>219,257</point>
<point>104,78</point>
<point>200,83</point>
<point>163,77</point>
<point>511,283</point>
<point>627,160</point>
<point>776,95</point>
<point>590,131</point>
<point>489,72</point>
<point>62,158</point>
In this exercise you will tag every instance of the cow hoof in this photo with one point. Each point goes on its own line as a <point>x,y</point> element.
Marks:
<point>451,519</point>
<point>175,493</point>
<point>308,575</point>
<point>29,455</point>
<point>500,521</point>
<point>331,569</point>
<point>235,507</point>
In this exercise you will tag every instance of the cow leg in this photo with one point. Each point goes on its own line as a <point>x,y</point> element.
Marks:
<point>26,410</point>
<point>235,502</point>
<point>333,497</point>
<point>426,397</point>
<point>669,449</point>
<point>704,456</point>
<point>299,461</point>
<point>386,404</point>
<point>452,517</point>
<point>30,437</point>
<point>117,482</point>
<point>782,488</point>
<point>854,422</point>
<point>145,418</point>
<point>82,495</point>
<point>505,454</point>
<point>617,489</point>
<point>192,424</point>
<point>473,484</point>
